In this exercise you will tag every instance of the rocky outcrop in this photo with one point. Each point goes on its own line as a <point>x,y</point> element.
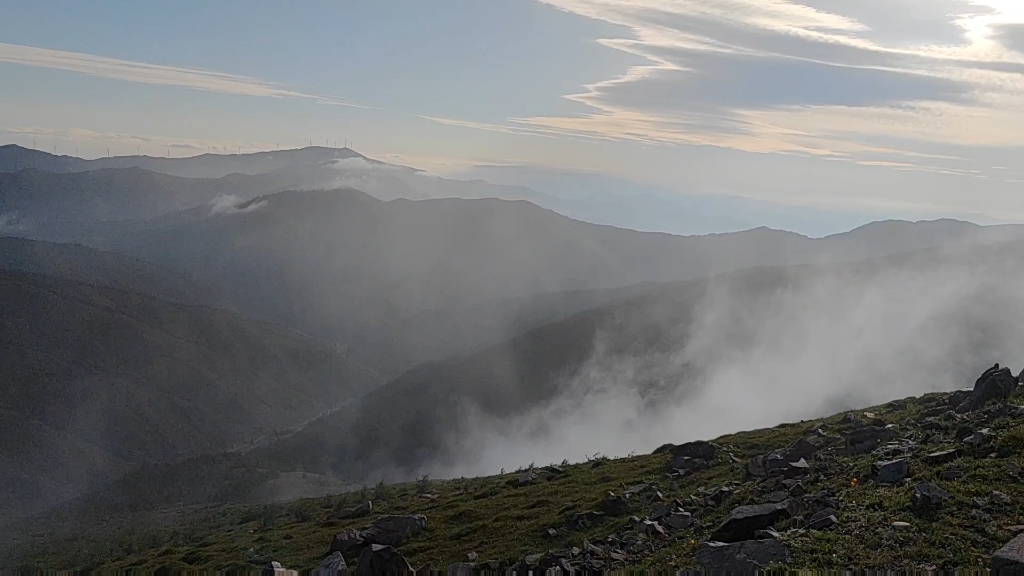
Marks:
<point>994,384</point>
<point>379,559</point>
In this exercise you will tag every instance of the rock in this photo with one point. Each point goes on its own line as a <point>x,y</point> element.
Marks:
<point>585,520</point>
<point>902,526</point>
<point>995,384</point>
<point>333,565</point>
<point>951,474</point>
<point>613,505</point>
<point>1016,529</point>
<point>275,569</point>
<point>551,533</point>
<point>427,569</point>
<point>776,497</point>
<point>782,459</point>
<point>678,521</point>
<point>700,449</point>
<point>892,472</point>
<point>347,542</point>
<point>360,511</point>
<point>461,569</point>
<point>823,519</point>
<point>1013,469</point>
<point>742,557</point>
<point>688,464</point>
<point>1010,558</point>
<point>651,528</point>
<point>942,457</point>
<point>998,497</point>
<point>849,420</point>
<point>741,523</point>
<point>927,498</point>
<point>532,477</point>
<point>394,530</point>
<point>380,559</point>
<point>472,557</point>
<point>866,439</point>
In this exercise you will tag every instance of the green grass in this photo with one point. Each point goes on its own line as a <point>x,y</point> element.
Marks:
<point>495,519</point>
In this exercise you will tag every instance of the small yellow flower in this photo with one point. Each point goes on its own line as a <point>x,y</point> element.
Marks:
<point>853,483</point>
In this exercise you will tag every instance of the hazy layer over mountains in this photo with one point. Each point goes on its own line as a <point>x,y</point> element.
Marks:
<point>174,320</point>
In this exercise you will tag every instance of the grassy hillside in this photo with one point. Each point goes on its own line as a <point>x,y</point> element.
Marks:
<point>499,518</point>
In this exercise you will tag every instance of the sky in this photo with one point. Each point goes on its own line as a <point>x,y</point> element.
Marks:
<point>886,104</point>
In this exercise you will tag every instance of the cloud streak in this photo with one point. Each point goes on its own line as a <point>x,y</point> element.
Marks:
<point>156,74</point>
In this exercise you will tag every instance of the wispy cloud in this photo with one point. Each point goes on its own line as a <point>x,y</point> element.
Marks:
<point>125,142</point>
<point>878,82</point>
<point>145,73</point>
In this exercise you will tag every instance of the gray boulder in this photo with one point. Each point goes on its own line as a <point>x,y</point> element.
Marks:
<point>893,471</point>
<point>347,542</point>
<point>394,530</point>
<point>678,521</point>
<point>866,439</point>
<point>943,457</point>
<point>743,521</point>
<point>380,559</point>
<point>700,449</point>
<point>741,557</point>
<point>613,505</point>
<point>1010,558</point>
<point>333,565</point>
<point>360,511</point>
<point>927,498</point>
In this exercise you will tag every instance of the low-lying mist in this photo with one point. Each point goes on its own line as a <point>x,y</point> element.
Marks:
<point>823,341</point>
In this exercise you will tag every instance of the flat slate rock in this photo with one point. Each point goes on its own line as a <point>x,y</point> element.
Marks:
<point>741,557</point>
<point>743,521</point>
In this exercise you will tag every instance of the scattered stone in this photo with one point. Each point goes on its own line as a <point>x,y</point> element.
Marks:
<point>995,384</point>
<point>688,464</point>
<point>472,557</point>
<point>333,565</point>
<point>347,542</point>
<point>951,474</point>
<point>741,523</point>
<point>1014,529</point>
<point>866,439</point>
<point>394,530</point>
<point>902,526</point>
<point>742,557</point>
<point>942,457</point>
<point>850,420</point>
<point>551,533</point>
<point>461,569</point>
<point>360,511</point>
<point>275,569</point>
<point>979,502</point>
<point>700,449</point>
<point>678,521</point>
<point>1010,558</point>
<point>381,559</point>
<point>927,498</point>
<point>651,528</point>
<point>1013,469</point>
<point>998,497</point>
<point>893,471</point>
<point>613,505</point>
<point>778,496</point>
<point>586,520</point>
<point>823,522</point>
<point>427,569</point>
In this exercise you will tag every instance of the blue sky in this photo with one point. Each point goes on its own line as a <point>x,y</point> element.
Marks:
<point>881,103</point>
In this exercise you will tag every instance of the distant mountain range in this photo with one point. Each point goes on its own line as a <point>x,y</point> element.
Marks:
<point>590,197</point>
